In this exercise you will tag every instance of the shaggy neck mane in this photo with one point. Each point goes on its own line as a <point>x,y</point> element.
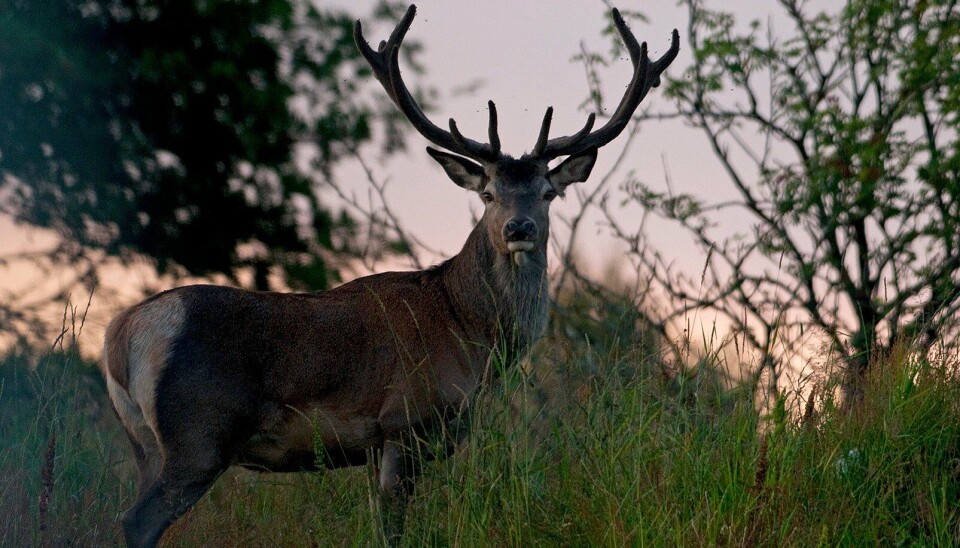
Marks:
<point>505,301</point>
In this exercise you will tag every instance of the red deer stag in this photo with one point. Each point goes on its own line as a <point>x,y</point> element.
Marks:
<point>205,377</point>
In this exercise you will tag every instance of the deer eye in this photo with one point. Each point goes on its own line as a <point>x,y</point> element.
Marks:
<point>486,197</point>
<point>550,194</point>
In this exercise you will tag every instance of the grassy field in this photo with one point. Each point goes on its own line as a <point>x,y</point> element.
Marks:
<point>624,458</point>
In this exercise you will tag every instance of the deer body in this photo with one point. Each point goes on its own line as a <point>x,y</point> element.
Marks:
<point>351,365</point>
<point>205,377</point>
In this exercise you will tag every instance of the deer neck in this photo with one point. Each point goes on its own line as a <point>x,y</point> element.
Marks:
<point>503,296</point>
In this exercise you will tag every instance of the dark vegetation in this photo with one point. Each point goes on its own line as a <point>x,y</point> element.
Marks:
<point>626,456</point>
<point>176,133</point>
<point>837,131</point>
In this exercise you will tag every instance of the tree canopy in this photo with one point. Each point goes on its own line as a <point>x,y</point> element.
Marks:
<point>169,129</point>
<point>838,133</point>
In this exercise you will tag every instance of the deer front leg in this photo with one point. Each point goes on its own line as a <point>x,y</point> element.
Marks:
<point>398,474</point>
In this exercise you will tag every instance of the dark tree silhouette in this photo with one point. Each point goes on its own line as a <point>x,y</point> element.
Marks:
<point>838,134</point>
<point>168,129</point>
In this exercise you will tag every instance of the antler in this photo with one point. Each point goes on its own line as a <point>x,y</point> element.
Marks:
<point>646,75</point>
<point>386,68</point>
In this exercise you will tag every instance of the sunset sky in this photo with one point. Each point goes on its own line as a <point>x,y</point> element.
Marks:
<point>521,54</point>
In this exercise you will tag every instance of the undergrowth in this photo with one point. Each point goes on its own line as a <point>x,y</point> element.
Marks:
<point>623,459</point>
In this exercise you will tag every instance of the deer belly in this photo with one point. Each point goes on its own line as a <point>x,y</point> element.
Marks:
<point>293,439</point>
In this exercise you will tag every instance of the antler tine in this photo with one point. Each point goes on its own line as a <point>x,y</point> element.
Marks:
<point>628,38</point>
<point>385,63</point>
<point>474,149</point>
<point>492,128</point>
<point>563,143</point>
<point>646,75</point>
<point>544,132</point>
<point>378,59</point>
<point>661,64</point>
<point>469,147</point>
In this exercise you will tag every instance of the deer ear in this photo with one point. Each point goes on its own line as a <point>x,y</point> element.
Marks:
<point>574,169</point>
<point>462,171</point>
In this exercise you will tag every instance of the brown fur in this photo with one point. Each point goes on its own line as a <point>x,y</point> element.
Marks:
<point>116,348</point>
<point>123,332</point>
<point>218,376</point>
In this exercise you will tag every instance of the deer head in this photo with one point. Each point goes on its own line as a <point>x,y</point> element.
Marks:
<point>516,192</point>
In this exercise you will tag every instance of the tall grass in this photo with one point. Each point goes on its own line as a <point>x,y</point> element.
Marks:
<point>64,470</point>
<point>624,458</point>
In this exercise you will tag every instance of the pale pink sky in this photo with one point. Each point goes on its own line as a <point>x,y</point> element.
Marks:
<point>522,52</point>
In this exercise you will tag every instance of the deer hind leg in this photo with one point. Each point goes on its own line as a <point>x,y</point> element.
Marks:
<point>399,468</point>
<point>183,479</point>
<point>149,460</point>
<point>195,453</point>
<point>143,440</point>
<point>150,465</point>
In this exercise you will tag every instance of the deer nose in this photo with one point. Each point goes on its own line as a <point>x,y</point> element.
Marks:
<point>520,229</point>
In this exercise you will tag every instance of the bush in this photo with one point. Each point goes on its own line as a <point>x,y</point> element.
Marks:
<point>627,460</point>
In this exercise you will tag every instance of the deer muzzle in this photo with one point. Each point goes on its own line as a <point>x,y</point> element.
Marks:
<point>520,233</point>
